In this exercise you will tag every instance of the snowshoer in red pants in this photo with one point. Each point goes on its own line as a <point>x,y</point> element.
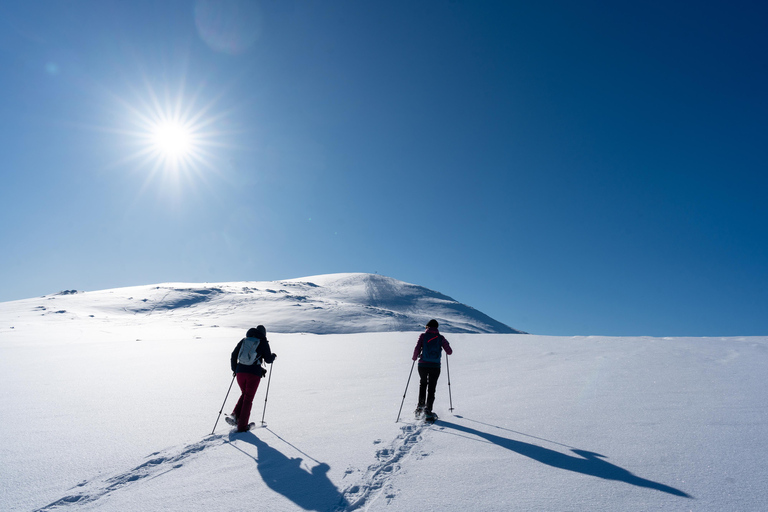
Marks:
<point>246,364</point>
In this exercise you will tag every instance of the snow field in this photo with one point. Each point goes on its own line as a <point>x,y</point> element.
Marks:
<point>95,420</point>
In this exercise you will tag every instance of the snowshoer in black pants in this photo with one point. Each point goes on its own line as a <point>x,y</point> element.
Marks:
<point>430,347</point>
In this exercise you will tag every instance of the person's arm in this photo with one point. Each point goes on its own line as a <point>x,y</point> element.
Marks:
<point>417,350</point>
<point>235,353</point>
<point>266,352</point>
<point>447,347</point>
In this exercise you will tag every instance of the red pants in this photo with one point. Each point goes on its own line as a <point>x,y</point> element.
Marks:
<point>248,383</point>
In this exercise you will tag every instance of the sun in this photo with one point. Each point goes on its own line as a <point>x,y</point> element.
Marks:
<point>172,140</point>
<point>173,137</point>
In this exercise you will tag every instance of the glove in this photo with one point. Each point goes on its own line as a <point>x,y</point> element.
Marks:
<point>274,356</point>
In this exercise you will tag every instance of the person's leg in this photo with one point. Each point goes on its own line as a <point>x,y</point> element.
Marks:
<point>433,375</point>
<point>250,385</point>
<point>239,406</point>
<point>423,380</point>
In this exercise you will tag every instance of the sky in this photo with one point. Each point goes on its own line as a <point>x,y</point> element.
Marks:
<point>568,168</point>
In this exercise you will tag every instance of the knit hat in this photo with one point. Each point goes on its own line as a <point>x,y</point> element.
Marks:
<point>432,324</point>
<point>257,332</point>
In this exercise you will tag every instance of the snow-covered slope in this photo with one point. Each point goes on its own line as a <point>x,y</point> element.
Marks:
<point>335,303</point>
<point>116,412</point>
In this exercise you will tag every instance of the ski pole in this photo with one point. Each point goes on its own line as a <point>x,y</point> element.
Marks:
<point>222,405</point>
<point>267,394</point>
<point>406,391</point>
<point>448,367</point>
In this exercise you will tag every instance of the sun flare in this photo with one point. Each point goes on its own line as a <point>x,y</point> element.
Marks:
<point>172,140</point>
<point>173,136</point>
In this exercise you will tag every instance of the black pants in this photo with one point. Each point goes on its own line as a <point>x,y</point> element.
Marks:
<point>427,386</point>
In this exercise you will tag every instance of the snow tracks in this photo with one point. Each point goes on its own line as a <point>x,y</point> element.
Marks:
<point>375,481</point>
<point>373,484</point>
<point>158,464</point>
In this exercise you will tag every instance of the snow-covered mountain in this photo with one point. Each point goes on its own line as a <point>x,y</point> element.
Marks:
<point>93,421</point>
<point>110,403</point>
<point>326,304</point>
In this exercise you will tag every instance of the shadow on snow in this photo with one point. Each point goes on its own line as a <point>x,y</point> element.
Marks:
<point>587,463</point>
<point>310,490</point>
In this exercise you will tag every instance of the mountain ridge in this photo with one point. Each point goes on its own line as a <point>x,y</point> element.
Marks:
<point>322,304</point>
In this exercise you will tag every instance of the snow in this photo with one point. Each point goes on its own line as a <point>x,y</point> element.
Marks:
<point>114,413</point>
<point>329,304</point>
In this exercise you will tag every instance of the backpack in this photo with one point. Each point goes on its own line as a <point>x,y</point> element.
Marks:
<point>248,354</point>
<point>432,349</point>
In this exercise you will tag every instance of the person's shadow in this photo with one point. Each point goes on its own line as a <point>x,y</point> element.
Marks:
<point>587,463</point>
<point>310,490</point>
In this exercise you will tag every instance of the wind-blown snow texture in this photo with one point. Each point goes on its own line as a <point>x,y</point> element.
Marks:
<point>328,304</point>
<point>114,413</point>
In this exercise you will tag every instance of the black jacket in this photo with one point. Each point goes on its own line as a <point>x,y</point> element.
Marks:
<point>263,351</point>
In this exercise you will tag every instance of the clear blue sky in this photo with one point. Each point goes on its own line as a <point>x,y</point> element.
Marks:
<point>569,168</point>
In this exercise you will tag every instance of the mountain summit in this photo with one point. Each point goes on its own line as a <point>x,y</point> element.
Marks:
<point>373,303</point>
<point>325,304</point>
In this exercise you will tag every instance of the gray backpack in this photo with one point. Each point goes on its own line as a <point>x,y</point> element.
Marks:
<point>248,355</point>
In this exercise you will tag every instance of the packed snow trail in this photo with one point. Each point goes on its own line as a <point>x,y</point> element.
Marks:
<point>158,464</point>
<point>309,488</point>
<point>390,459</point>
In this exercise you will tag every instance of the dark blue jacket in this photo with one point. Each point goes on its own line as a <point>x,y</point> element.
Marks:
<point>263,351</point>
<point>429,348</point>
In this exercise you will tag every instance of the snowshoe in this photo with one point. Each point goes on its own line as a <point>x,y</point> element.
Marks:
<point>430,417</point>
<point>419,413</point>
<point>251,426</point>
<point>232,420</point>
